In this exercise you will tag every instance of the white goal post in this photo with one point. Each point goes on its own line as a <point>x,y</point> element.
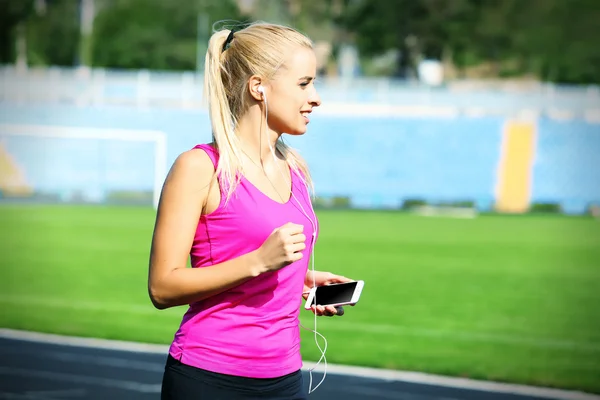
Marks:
<point>44,132</point>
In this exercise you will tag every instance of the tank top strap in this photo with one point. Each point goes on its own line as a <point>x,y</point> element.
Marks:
<point>213,154</point>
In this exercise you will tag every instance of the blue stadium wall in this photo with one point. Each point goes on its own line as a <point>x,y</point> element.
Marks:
<point>374,161</point>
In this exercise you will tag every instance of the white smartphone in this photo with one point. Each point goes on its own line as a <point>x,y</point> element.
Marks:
<point>337,294</point>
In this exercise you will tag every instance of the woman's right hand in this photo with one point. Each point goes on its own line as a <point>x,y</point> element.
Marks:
<point>283,247</point>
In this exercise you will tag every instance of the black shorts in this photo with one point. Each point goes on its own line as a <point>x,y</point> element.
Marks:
<point>184,382</point>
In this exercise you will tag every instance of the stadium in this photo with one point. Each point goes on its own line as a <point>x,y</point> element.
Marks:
<point>469,210</point>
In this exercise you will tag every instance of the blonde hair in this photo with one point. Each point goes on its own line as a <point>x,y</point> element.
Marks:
<point>258,49</point>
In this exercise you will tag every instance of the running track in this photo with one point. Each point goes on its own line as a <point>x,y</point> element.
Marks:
<point>47,367</point>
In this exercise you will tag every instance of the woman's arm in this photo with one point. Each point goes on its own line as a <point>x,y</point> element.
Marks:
<point>184,194</point>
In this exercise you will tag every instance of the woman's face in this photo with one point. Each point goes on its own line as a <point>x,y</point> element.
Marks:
<point>291,94</point>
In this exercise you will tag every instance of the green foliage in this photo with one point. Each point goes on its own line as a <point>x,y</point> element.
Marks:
<point>53,37</point>
<point>13,13</point>
<point>409,204</point>
<point>419,29</point>
<point>545,208</point>
<point>554,40</point>
<point>561,38</point>
<point>335,202</point>
<point>156,34</point>
<point>539,36</point>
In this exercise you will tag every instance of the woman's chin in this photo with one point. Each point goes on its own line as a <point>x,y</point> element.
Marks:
<point>298,131</point>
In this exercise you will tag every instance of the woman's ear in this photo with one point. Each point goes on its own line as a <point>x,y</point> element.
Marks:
<point>255,88</point>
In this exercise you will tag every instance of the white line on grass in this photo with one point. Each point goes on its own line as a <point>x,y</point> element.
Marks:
<point>340,325</point>
<point>373,373</point>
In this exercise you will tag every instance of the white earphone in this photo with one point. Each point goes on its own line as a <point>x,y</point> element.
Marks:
<point>261,90</point>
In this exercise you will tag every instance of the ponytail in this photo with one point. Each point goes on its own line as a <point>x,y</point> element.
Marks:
<point>222,119</point>
<point>257,49</point>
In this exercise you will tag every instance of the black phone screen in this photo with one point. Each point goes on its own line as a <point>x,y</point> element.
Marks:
<point>333,294</point>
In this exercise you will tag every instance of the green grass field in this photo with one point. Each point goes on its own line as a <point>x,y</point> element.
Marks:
<point>496,297</point>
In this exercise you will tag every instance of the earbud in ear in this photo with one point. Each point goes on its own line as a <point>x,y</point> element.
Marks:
<point>261,89</point>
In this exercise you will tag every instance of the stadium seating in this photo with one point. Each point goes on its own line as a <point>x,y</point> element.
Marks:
<point>566,169</point>
<point>375,162</point>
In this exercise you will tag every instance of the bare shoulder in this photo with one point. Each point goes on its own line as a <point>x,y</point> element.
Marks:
<point>193,166</point>
<point>194,158</point>
<point>186,186</point>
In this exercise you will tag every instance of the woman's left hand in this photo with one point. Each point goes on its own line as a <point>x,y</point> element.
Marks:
<point>323,279</point>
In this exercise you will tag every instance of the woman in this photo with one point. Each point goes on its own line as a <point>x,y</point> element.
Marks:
<point>240,208</point>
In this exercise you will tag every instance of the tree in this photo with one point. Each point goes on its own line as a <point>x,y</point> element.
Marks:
<point>559,40</point>
<point>553,39</point>
<point>155,34</point>
<point>12,19</point>
<point>53,35</point>
<point>417,28</point>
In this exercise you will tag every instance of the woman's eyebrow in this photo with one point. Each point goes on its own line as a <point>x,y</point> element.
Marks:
<point>308,78</point>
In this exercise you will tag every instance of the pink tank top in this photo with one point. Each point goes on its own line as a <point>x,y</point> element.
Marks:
<point>251,330</point>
